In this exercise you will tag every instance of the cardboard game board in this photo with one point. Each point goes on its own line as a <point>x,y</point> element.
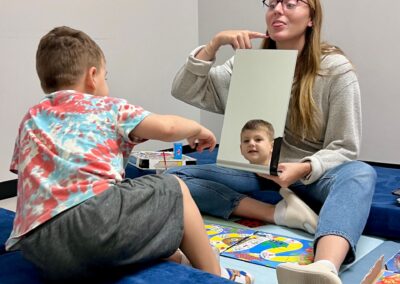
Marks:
<point>259,247</point>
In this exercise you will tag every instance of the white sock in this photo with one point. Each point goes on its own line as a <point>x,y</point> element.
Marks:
<point>280,212</point>
<point>328,264</point>
<point>224,273</point>
<point>237,276</point>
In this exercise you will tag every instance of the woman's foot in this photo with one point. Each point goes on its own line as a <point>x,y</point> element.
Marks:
<point>314,273</point>
<point>292,212</point>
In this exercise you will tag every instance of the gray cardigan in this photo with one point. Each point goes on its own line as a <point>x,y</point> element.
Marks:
<point>336,93</point>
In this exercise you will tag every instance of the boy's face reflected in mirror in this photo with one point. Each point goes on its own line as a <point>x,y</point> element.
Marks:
<point>256,147</point>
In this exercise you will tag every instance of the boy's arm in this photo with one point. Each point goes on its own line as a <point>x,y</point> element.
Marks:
<point>171,128</point>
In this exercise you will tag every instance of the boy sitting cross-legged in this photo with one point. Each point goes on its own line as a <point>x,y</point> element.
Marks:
<point>76,215</point>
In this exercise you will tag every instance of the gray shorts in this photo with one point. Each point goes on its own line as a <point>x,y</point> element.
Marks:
<point>135,221</point>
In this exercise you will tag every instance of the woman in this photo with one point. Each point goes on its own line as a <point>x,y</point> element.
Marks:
<point>320,145</point>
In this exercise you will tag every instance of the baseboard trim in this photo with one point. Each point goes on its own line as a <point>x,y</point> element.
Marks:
<point>385,165</point>
<point>8,188</point>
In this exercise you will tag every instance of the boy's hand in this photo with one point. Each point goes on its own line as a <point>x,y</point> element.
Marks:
<point>204,139</point>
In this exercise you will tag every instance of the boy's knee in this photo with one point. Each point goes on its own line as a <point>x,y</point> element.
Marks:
<point>178,178</point>
<point>183,186</point>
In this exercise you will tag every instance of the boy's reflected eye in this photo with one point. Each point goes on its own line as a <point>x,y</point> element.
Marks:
<point>257,140</point>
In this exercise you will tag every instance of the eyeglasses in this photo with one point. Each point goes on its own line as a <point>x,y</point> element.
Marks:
<point>286,4</point>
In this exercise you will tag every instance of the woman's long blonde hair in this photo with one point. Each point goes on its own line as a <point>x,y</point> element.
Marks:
<point>305,117</point>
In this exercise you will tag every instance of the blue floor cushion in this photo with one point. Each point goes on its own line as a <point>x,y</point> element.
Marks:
<point>15,269</point>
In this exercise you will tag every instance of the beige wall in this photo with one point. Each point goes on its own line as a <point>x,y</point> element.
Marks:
<point>145,43</point>
<point>369,34</point>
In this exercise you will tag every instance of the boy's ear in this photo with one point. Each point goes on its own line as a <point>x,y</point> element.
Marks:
<point>90,79</point>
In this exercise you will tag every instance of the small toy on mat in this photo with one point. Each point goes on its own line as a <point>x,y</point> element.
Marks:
<point>393,264</point>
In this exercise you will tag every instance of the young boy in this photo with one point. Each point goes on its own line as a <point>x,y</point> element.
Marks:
<point>256,145</point>
<point>76,214</point>
<point>256,141</point>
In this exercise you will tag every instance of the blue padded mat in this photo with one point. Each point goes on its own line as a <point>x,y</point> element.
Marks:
<point>384,217</point>
<point>6,223</point>
<point>14,269</point>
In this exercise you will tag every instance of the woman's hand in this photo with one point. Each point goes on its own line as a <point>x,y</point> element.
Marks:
<point>238,39</point>
<point>290,173</point>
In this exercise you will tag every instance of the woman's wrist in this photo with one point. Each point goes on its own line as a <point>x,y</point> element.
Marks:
<point>210,50</point>
<point>307,169</point>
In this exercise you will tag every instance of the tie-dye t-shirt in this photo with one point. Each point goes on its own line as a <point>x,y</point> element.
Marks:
<point>70,147</point>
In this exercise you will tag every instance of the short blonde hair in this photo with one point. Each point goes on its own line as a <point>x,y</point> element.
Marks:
<point>63,56</point>
<point>259,124</point>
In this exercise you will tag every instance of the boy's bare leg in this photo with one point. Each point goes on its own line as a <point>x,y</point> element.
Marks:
<point>195,244</point>
<point>254,209</point>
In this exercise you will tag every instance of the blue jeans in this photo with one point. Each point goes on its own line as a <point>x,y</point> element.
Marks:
<point>342,196</point>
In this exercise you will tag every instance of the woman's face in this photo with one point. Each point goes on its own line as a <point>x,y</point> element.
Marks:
<point>287,27</point>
